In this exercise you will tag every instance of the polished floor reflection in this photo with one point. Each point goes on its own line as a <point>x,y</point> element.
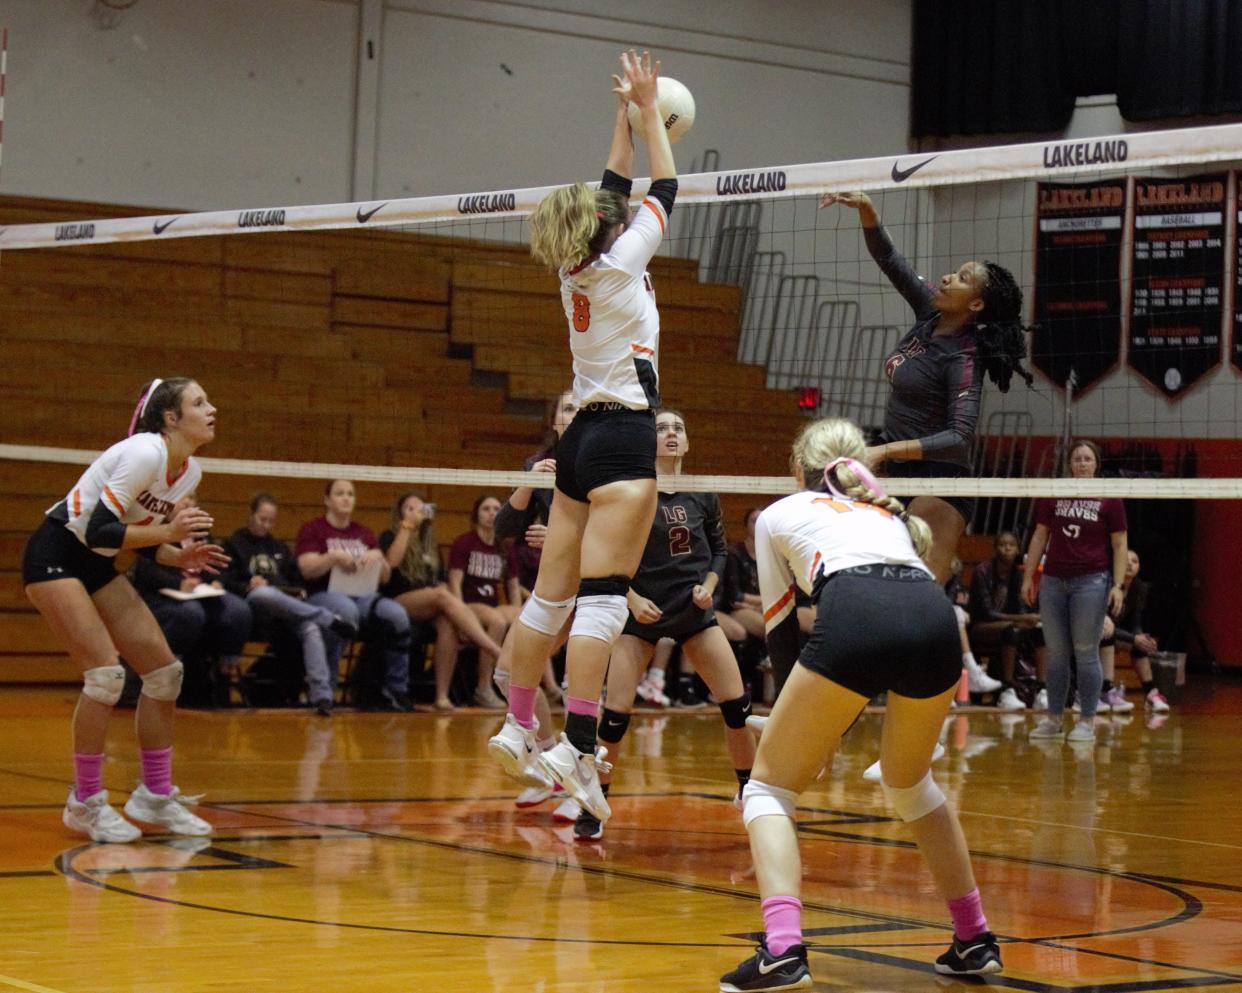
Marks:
<point>383,853</point>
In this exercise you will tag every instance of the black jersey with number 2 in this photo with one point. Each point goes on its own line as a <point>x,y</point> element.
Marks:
<point>686,542</point>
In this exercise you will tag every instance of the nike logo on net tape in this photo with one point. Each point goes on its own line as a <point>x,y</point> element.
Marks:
<point>901,175</point>
<point>159,228</point>
<point>366,215</point>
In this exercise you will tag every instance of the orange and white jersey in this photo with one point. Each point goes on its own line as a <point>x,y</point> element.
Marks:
<point>614,327</point>
<point>134,481</point>
<point>809,533</point>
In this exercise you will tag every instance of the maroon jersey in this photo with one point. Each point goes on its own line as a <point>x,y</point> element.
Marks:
<point>485,568</point>
<point>320,536</point>
<point>1079,541</point>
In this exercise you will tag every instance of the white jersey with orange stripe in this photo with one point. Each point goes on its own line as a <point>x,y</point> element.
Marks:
<point>133,480</point>
<point>809,533</point>
<point>614,326</point>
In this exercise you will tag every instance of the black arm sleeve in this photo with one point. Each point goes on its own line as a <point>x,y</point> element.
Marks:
<point>900,273</point>
<point>104,529</point>
<point>665,192</point>
<point>512,523</point>
<point>784,643</point>
<point>617,183</point>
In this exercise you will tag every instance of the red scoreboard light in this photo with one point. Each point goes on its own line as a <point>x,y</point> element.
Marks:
<point>808,398</point>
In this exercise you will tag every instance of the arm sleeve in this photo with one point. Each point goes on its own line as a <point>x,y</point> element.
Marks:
<point>617,183</point>
<point>512,523</point>
<point>638,243</point>
<point>900,273</point>
<point>714,526</point>
<point>104,529</point>
<point>665,191</point>
<point>963,390</point>
<point>731,582</point>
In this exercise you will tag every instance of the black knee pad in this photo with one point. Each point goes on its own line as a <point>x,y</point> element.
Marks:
<point>604,586</point>
<point>612,726</point>
<point>736,711</point>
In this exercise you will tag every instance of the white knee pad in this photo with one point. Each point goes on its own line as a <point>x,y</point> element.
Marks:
<point>761,800</point>
<point>915,801</point>
<point>546,616</point>
<point>601,617</point>
<point>164,683</point>
<point>104,683</point>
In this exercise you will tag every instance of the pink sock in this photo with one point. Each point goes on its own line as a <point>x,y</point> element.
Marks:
<point>522,704</point>
<point>87,774</point>
<point>967,913</point>
<point>157,770</point>
<point>782,921</point>
<point>577,705</point>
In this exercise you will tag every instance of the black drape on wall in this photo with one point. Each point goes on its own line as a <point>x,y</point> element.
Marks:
<point>1006,66</point>
<point>1179,58</point>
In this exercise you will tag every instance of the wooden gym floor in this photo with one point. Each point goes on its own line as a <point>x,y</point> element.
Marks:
<point>382,853</point>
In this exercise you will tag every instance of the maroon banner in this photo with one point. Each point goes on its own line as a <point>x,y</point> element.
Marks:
<point>1078,280</point>
<point>1178,280</point>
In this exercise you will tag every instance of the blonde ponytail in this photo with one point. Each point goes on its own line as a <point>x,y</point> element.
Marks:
<point>830,439</point>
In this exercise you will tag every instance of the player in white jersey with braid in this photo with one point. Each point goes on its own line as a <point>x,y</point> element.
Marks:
<point>882,624</point>
<point>128,498</point>
<point>605,463</point>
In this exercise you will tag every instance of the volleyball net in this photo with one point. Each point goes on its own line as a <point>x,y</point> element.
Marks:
<point>414,338</point>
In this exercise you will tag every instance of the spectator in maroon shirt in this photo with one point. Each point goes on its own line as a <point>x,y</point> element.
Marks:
<point>335,541</point>
<point>478,569</point>
<point>1084,576</point>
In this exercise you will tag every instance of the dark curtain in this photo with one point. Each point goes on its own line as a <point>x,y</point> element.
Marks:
<point>1179,58</point>
<point>1012,66</point>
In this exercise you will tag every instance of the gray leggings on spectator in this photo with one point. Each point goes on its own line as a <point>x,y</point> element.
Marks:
<point>1071,612</point>
<point>309,621</point>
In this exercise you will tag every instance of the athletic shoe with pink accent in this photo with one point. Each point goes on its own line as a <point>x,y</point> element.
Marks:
<point>567,811</point>
<point>1156,702</point>
<point>171,811</point>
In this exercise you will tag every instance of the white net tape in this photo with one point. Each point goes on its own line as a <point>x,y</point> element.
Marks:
<point>1133,488</point>
<point>1036,160</point>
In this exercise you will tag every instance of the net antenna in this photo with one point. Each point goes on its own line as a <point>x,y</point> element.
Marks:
<point>107,14</point>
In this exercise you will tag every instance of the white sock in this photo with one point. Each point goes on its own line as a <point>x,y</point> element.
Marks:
<point>968,660</point>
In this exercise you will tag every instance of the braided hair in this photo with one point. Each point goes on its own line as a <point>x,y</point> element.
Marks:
<point>1000,332</point>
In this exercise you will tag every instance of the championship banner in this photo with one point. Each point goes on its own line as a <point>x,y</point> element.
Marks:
<point>1178,279</point>
<point>1078,281</point>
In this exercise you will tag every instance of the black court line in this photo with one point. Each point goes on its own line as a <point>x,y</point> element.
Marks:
<point>25,873</point>
<point>1207,976</point>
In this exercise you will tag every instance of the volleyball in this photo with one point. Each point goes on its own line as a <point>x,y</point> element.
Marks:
<point>676,105</point>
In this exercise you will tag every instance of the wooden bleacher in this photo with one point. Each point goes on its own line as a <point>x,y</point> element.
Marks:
<point>369,347</point>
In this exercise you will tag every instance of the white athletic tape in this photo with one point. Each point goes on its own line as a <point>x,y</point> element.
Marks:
<point>1064,487</point>
<point>1034,160</point>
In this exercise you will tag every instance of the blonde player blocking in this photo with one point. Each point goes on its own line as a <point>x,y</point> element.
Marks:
<point>127,498</point>
<point>882,624</point>
<point>605,462</point>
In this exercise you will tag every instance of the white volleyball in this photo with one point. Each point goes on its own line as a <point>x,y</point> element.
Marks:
<point>676,105</point>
